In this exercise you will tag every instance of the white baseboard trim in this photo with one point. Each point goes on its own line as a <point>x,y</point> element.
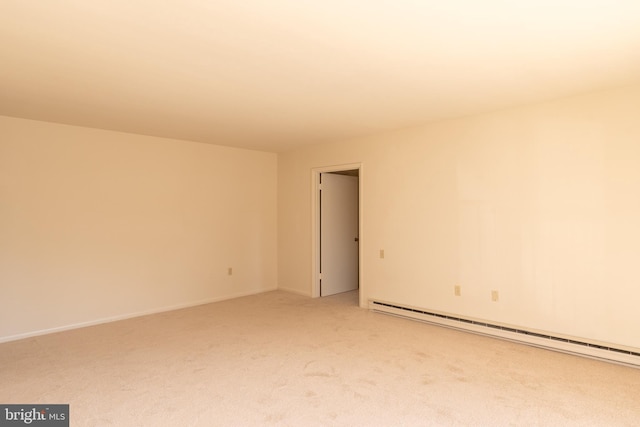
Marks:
<point>295,291</point>
<point>129,316</point>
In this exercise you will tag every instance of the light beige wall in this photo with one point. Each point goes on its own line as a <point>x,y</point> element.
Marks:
<point>99,225</point>
<point>541,203</point>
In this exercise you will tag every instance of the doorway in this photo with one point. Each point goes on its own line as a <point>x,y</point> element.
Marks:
<point>336,210</point>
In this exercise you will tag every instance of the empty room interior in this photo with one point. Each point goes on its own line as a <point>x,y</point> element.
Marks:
<point>166,180</point>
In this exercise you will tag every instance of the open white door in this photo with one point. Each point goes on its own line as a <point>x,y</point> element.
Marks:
<point>338,233</point>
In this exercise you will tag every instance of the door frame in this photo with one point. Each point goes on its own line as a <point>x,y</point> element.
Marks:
<point>315,226</point>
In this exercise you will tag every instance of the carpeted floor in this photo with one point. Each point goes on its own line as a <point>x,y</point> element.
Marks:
<point>283,359</point>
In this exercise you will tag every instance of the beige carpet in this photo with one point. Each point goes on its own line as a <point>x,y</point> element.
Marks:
<point>283,359</point>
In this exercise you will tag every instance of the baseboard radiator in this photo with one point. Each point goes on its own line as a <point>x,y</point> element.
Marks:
<point>616,354</point>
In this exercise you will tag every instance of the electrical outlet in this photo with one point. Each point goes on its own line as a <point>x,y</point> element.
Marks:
<point>495,296</point>
<point>381,253</point>
<point>230,271</point>
<point>456,290</point>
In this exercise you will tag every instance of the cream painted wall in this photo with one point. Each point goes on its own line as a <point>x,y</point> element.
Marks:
<point>541,203</point>
<point>98,225</point>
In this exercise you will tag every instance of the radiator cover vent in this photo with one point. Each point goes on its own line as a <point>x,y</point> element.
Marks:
<point>552,342</point>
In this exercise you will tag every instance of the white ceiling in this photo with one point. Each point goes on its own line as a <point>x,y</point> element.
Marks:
<point>275,74</point>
